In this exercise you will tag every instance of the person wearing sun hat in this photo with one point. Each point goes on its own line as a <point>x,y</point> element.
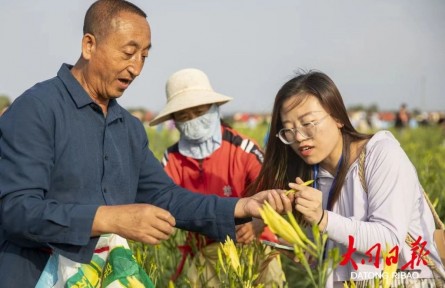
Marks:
<point>185,89</point>
<point>210,158</point>
<point>190,94</point>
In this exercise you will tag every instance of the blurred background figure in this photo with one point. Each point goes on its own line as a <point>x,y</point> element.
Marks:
<point>210,158</point>
<point>402,117</point>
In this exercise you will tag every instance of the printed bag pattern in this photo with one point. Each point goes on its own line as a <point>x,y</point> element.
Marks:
<point>113,265</point>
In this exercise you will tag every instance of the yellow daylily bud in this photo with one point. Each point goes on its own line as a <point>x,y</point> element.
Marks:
<point>307,183</point>
<point>388,270</point>
<point>299,231</point>
<point>221,261</point>
<point>279,225</point>
<point>230,251</point>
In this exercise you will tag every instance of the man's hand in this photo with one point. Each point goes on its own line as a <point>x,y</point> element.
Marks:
<point>249,206</point>
<point>139,222</point>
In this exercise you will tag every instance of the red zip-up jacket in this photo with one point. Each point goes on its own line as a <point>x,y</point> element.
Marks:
<point>226,172</point>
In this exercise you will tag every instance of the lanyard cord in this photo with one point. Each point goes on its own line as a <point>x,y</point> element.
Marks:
<point>315,171</point>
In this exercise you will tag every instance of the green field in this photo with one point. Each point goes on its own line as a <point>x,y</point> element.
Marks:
<point>424,146</point>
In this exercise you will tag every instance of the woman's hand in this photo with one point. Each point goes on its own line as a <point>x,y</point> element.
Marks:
<point>245,233</point>
<point>308,201</point>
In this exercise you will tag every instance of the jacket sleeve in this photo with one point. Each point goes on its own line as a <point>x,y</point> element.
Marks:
<point>207,214</point>
<point>253,163</point>
<point>170,168</point>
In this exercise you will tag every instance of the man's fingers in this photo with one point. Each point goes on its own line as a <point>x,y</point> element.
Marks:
<point>287,201</point>
<point>271,199</point>
<point>165,216</point>
<point>278,200</point>
<point>164,227</point>
<point>152,240</point>
<point>145,223</point>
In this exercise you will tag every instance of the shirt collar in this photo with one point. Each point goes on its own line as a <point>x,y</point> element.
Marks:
<point>80,96</point>
<point>114,111</point>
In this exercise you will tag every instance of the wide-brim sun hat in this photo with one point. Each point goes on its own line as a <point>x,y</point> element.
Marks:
<point>188,88</point>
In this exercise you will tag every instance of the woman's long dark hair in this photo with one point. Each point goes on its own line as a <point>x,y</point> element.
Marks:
<point>281,164</point>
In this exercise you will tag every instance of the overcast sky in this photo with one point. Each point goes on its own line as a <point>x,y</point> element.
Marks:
<point>377,52</point>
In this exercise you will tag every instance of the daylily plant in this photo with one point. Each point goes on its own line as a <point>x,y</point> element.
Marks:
<point>308,252</point>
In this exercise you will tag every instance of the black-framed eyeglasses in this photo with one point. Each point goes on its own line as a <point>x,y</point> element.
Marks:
<point>307,130</point>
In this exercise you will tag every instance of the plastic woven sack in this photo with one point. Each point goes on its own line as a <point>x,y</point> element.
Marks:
<point>113,265</point>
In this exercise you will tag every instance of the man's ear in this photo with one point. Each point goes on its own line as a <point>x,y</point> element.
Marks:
<point>88,46</point>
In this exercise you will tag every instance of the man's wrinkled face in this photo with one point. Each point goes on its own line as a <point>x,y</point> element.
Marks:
<point>117,59</point>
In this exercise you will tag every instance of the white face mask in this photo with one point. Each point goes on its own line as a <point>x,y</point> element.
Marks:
<point>201,128</point>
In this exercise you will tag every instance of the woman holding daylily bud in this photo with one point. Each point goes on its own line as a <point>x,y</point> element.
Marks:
<point>316,140</point>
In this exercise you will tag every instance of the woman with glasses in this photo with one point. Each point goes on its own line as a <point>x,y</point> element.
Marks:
<point>316,140</point>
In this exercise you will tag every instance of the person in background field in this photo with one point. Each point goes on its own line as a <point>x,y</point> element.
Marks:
<point>402,118</point>
<point>75,165</point>
<point>210,158</point>
<point>315,140</point>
